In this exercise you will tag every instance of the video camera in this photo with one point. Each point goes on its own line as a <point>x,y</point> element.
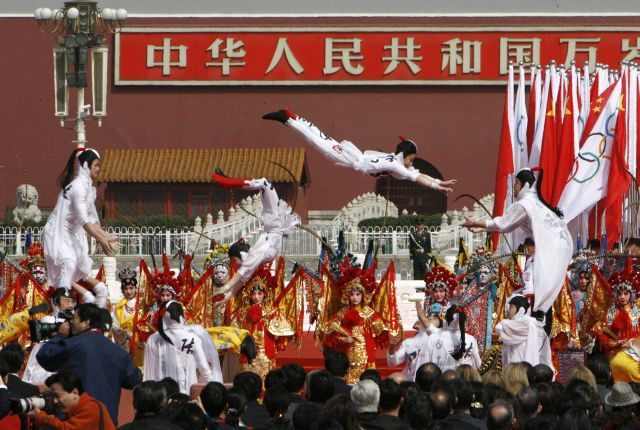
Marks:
<point>40,331</point>
<point>44,402</point>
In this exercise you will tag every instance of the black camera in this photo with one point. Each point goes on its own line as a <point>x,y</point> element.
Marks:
<point>44,402</point>
<point>40,331</point>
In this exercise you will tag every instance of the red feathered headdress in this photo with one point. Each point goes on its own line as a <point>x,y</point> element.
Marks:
<point>628,281</point>
<point>441,277</point>
<point>354,278</point>
<point>165,280</point>
<point>35,257</point>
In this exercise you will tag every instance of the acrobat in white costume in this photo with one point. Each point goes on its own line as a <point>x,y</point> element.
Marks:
<point>277,220</point>
<point>373,163</point>
<point>180,354</point>
<point>549,232</point>
<point>64,240</point>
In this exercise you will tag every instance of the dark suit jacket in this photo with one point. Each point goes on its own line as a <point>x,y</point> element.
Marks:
<point>386,422</point>
<point>340,386</point>
<point>255,415</point>
<point>365,418</point>
<point>463,421</point>
<point>20,389</point>
<point>153,422</point>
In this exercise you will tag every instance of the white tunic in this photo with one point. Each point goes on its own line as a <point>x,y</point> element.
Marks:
<point>64,240</point>
<point>552,239</point>
<point>441,343</point>
<point>277,220</point>
<point>409,353</point>
<point>348,155</point>
<point>520,339</point>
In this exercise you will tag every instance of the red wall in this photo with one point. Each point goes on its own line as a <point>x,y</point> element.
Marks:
<point>456,127</point>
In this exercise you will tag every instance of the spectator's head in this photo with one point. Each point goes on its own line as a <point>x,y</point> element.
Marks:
<point>448,375</point>
<point>599,366</point>
<point>276,401</point>
<point>529,369</point>
<point>171,386</point>
<point>529,402</point>
<point>493,376</point>
<point>214,399</point>
<point>515,377</point>
<point>4,371</point>
<point>398,377</point>
<point>365,396</point>
<point>305,415</point>
<point>371,375</point>
<point>250,383</point>
<point>418,411</point>
<point>342,409</point>
<point>541,422</point>
<point>336,363</point>
<point>500,416</point>
<point>577,394</point>
<point>87,315</point>
<point>464,398</point>
<point>584,374</point>
<point>66,387</point>
<point>575,419</point>
<point>149,398</point>
<point>106,321</point>
<point>542,373</point>
<point>236,404</point>
<point>548,397</point>
<point>479,404</point>
<point>442,398</point>
<point>441,425</point>
<point>468,373</point>
<point>321,387</point>
<point>13,355</point>
<point>186,415</point>
<point>390,397</point>
<point>426,375</point>
<point>296,376</point>
<point>276,377</point>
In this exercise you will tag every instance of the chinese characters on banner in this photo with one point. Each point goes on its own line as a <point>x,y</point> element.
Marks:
<point>355,56</point>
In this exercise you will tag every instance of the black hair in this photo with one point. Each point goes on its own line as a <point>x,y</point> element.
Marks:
<point>171,386</point>
<point>106,321</point>
<point>342,409</point>
<point>528,368</point>
<point>390,395</point>
<point>149,397</point>
<point>248,348</point>
<point>460,349</point>
<point>479,406</point>
<point>187,415</point>
<point>321,387</point>
<point>4,368</point>
<point>548,396</point>
<point>464,397</point>
<point>542,373</point>
<point>520,302</point>
<point>296,376</point>
<point>276,377</point>
<point>236,404</point>
<point>372,375</point>
<point>407,147</point>
<point>13,355</point>
<point>327,423</point>
<point>601,369</point>
<point>526,176</point>
<point>59,293</point>
<point>236,248</point>
<point>541,422</point>
<point>442,397</point>
<point>67,175</point>
<point>575,419</point>
<point>529,400</point>
<point>67,379</point>
<point>250,383</point>
<point>89,312</point>
<point>276,401</point>
<point>336,362</point>
<point>305,415</point>
<point>418,411</point>
<point>426,375</point>
<point>502,420</point>
<point>175,311</point>
<point>214,398</point>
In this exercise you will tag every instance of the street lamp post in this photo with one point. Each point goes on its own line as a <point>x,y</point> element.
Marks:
<point>79,43</point>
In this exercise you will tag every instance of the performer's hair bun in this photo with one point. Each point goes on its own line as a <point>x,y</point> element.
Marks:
<point>407,147</point>
<point>520,302</point>
<point>237,248</point>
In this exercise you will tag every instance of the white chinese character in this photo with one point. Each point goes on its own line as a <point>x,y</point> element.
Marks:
<point>409,57</point>
<point>467,55</point>
<point>573,49</point>
<point>166,62</point>
<point>233,49</point>
<point>518,51</point>
<point>283,49</point>
<point>633,51</point>
<point>346,51</point>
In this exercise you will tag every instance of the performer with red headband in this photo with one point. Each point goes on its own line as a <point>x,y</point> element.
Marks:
<point>63,238</point>
<point>278,221</point>
<point>542,222</point>
<point>374,163</point>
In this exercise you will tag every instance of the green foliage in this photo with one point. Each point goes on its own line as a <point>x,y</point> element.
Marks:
<point>173,221</point>
<point>402,221</point>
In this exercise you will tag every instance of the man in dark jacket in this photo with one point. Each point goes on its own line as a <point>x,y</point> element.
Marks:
<point>148,400</point>
<point>390,402</point>
<point>104,367</point>
<point>337,364</point>
<point>13,355</point>
<point>251,384</point>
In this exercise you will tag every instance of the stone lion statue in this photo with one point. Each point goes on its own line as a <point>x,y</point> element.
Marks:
<point>26,205</point>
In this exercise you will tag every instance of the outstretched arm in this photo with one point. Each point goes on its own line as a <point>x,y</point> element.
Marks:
<point>436,184</point>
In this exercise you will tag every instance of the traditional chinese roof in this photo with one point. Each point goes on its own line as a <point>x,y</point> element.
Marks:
<point>196,165</point>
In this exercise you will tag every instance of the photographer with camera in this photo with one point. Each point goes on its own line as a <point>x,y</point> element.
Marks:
<point>103,367</point>
<point>67,394</point>
<point>5,405</point>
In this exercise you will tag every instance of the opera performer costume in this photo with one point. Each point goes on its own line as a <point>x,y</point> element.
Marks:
<point>521,336</point>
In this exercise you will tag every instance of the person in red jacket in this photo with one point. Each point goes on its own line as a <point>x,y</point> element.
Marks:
<point>83,411</point>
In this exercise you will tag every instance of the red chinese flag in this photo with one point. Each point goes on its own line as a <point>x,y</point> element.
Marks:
<point>549,151</point>
<point>566,150</point>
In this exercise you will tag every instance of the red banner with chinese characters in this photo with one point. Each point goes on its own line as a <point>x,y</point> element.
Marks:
<point>356,56</point>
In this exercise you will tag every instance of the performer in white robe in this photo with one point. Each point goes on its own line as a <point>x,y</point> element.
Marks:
<point>521,334</point>
<point>543,223</point>
<point>450,346</point>
<point>278,221</point>
<point>373,163</point>
<point>178,351</point>
<point>65,243</point>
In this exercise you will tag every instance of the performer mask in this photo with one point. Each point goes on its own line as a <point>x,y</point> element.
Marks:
<point>39,274</point>
<point>220,274</point>
<point>484,275</point>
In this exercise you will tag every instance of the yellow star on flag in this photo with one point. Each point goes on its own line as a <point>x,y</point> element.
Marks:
<point>597,109</point>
